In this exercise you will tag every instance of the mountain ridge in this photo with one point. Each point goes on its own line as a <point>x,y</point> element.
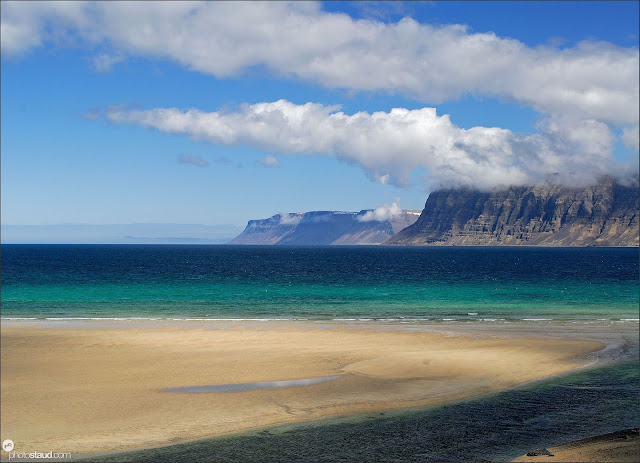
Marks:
<point>605,214</point>
<point>325,228</point>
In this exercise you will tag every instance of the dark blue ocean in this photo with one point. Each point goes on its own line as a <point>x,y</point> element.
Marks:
<point>397,284</point>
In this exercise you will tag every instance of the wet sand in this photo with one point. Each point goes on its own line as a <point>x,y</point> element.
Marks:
<point>620,446</point>
<point>101,386</point>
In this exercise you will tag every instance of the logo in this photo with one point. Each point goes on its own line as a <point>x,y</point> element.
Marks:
<point>7,445</point>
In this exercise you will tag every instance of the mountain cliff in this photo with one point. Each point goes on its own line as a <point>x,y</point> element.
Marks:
<point>323,228</point>
<point>605,214</point>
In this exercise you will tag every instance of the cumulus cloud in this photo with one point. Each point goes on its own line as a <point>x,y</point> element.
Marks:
<point>583,91</point>
<point>390,146</point>
<point>26,25</point>
<point>381,213</point>
<point>193,160</point>
<point>592,80</point>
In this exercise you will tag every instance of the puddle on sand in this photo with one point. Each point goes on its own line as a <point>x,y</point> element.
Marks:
<point>249,386</point>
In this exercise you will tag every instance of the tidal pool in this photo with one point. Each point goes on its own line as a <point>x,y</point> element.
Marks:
<point>248,386</point>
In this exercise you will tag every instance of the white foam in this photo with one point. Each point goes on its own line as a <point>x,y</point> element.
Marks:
<point>233,319</point>
<point>100,318</point>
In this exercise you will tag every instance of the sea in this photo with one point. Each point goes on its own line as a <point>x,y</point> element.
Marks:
<point>351,284</point>
<point>443,286</point>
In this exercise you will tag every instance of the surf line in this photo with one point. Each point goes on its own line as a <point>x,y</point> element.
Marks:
<point>238,387</point>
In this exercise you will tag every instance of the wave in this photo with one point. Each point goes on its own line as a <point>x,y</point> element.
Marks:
<point>404,320</point>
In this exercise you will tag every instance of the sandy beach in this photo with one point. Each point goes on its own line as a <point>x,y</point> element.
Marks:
<point>620,447</point>
<point>100,385</point>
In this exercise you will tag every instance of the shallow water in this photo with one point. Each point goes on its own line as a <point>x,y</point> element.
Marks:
<point>238,387</point>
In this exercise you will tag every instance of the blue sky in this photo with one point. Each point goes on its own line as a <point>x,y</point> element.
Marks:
<point>219,113</point>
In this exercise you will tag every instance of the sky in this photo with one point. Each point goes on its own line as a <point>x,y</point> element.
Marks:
<point>213,114</point>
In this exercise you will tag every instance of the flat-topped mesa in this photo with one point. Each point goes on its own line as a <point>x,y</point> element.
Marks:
<point>605,214</point>
<point>325,228</point>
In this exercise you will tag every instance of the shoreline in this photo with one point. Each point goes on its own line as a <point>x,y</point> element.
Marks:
<point>382,367</point>
<point>356,321</point>
<point>619,446</point>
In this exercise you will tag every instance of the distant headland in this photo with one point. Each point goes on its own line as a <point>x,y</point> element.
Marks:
<point>605,214</point>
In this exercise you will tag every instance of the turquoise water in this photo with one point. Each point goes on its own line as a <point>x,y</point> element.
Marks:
<point>340,283</point>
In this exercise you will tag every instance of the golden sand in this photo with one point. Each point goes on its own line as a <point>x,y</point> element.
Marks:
<point>78,387</point>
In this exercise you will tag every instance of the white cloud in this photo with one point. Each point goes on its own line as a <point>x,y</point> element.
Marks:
<point>381,213</point>
<point>630,137</point>
<point>392,145</point>
<point>593,80</point>
<point>290,219</point>
<point>583,91</point>
<point>193,160</point>
<point>103,62</point>
<point>269,161</point>
<point>383,179</point>
<point>26,25</point>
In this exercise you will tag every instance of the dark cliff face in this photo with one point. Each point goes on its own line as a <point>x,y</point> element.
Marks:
<point>323,228</point>
<point>605,214</point>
